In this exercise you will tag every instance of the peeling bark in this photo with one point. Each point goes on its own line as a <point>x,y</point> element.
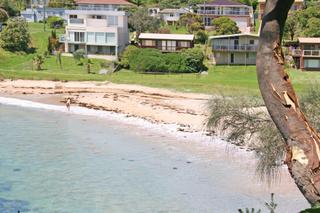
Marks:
<point>302,140</point>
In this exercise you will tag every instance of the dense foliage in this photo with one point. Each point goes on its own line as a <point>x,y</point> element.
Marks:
<point>61,3</point>
<point>191,21</point>
<point>15,37</point>
<point>140,21</point>
<point>55,22</point>
<point>304,22</point>
<point>9,6</point>
<point>225,26</point>
<point>153,60</point>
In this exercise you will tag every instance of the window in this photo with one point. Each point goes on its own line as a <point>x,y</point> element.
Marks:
<point>149,43</point>
<point>171,15</point>
<point>91,37</point>
<point>312,63</point>
<point>79,36</point>
<point>251,42</point>
<point>112,21</point>
<point>184,44</point>
<point>171,45</point>
<point>110,38</point>
<point>100,38</point>
<point>73,16</point>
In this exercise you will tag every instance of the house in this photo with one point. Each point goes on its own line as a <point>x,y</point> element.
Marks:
<point>298,5</point>
<point>240,13</point>
<point>97,26</point>
<point>37,14</point>
<point>240,49</point>
<point>154,12</point>
<point>172,16</point>
<point>307,54</point>
<point>166,42</point>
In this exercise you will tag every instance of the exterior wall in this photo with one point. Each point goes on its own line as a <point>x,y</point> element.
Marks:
<point>170,17</point>
<point>239,50</point>
<point>239,58</point>
<point>102,32</point>
<point>307,57</point>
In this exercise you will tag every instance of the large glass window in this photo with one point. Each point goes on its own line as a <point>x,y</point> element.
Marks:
<point>312,63</point>
<point>110,38</point>
<point>100,38</point>
<point>77,36</point>
<point>112,21</point>
<point>91,37</point>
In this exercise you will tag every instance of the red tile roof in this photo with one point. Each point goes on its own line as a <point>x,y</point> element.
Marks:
<point>118,2</point>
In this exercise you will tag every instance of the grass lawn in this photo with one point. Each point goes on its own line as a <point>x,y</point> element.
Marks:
<point>228,80</point>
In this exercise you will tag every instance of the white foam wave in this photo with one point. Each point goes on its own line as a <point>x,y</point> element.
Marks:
<point>171,129</point>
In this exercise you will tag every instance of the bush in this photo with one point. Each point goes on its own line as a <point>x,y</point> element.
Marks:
<point>78,55</point>
<point>3,15</point>
<point>201,37</point>
<point>55,22</point>
<point>153,60</point>
<point>15,37</point>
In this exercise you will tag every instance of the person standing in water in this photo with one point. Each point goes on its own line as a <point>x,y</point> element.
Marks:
<point>68,103</point>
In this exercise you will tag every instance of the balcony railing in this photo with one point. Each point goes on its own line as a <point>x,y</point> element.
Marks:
<point>76,21</point>
<point>99,8</point>
<point>250,48</point>
<point>223,13</point>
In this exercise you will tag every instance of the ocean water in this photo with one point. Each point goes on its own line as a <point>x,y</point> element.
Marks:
<point>52,161</point>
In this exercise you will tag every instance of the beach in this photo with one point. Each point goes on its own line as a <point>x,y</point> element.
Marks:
<point>186,110</point>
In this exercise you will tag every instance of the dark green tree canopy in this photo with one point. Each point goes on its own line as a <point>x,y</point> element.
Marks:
<point>15,37</point>
<point>225,26</point>
<point>140,21</point>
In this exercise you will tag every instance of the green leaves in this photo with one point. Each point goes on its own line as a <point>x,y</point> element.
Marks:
<point>225,26</point>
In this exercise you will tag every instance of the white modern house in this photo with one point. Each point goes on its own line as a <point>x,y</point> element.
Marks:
<point>238,12</point>
<point>172,16</point>
<point>237,49</point>
<point>97,26</point>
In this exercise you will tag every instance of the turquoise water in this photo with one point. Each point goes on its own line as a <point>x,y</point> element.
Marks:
<point>57,162</point>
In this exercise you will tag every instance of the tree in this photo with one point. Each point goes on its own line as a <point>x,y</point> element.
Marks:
<point>291,25</point>
<point>3,15</point>
<point>140,21</point>
<point>61,3</point>
<point>301,140</point>
<point>225,26</point>
<point>15,37</point>
<point>313,27</point>
<point>9,7</point>
<point>192,22</point>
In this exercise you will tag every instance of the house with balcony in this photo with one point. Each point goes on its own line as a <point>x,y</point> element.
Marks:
<point>99,27</point>
<point>172,16</point>
<point>166,42</point>
<point>236,49</point>
<point>307,54</point>
<point>298,5</point>
<point>240,13</point>
<point>39,14</point>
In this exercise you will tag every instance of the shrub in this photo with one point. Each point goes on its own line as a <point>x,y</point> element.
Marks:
<point>55,22</point>
<point>201,37</point>
<point>53,42</point>
<point>3,15</point>
<point>38,60</point>
<point>78,55</point>
<point>15,37</point>
<point>164,30</point>
<point>153,60</point>
<point>124,59</point>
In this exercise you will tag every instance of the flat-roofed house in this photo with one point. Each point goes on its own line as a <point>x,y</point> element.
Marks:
<point>97,26</point>
<point>166,42</point>
<point>240,49</point>
<point>172,16</point>
<point>298,5</point>
<point>307,54</point>
<point>240,13</point>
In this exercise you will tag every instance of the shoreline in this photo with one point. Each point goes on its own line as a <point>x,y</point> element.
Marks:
<point>180,114</point>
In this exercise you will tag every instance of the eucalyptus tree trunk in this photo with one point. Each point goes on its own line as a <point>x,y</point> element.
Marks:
<point>303,142</point>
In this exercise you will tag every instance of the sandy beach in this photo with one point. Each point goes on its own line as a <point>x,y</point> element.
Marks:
<point>186,110</point>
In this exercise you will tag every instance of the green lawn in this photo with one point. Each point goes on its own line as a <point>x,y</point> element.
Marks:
<point>228,80</point>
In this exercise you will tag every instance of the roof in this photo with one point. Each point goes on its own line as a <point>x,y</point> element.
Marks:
<point>263,1</point>
<point>224,3</point>
<point>234,35</point>
<point>306,40</point>
<point>117,2</point>
<point>158,36</point>
<point>169,10</point>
